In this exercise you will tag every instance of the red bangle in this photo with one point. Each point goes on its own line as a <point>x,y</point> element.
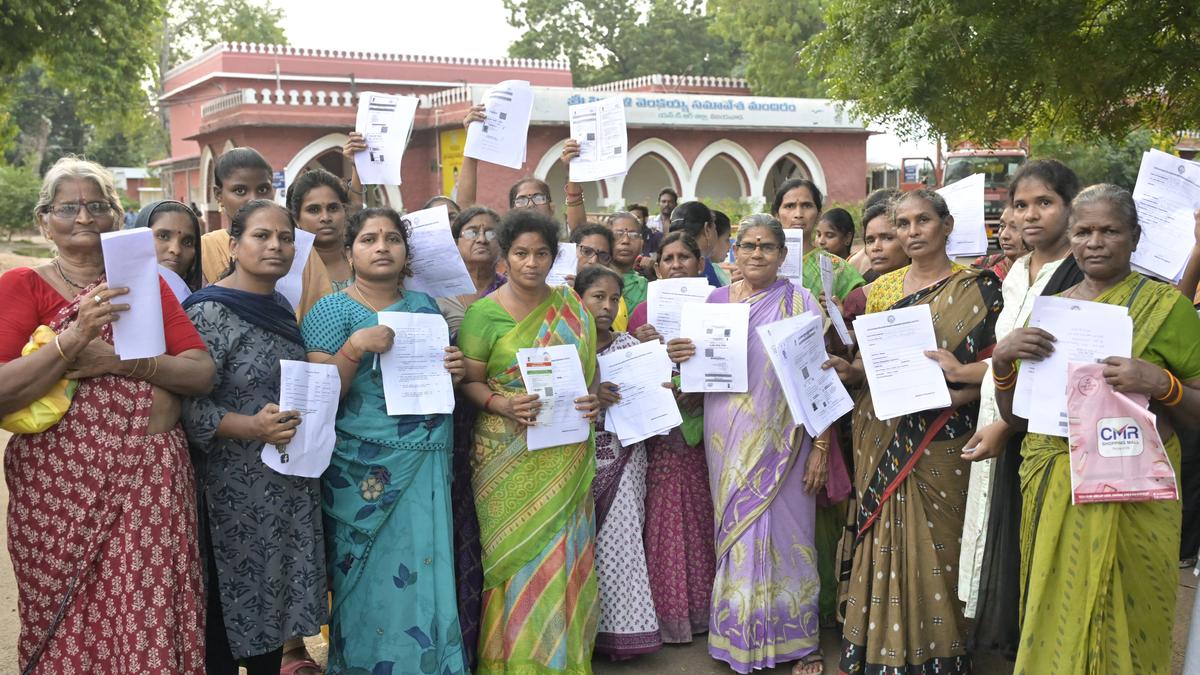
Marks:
<point>488,402</point>
<point>343,352</point>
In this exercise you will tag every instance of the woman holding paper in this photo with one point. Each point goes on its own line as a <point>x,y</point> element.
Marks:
<point>797,205</point>
<point>103,497</point>
<point>1101,576</point>
<point>260,531</point>
<point>539,603</point>
<point>910,481</point>
<point>884,253</point>
<point>386,493</point>
<point>628,625</point>
<point>319,202</point>
<point>764,477</point>
<point>679,510</point>
<point>241,175</point>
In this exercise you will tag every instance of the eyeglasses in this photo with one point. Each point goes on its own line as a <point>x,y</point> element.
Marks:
<point>530,200</point>
<point>627,234</point>
<point>71,209</point>
<point>767,248</point>
<point>587,252</point>
<point>474,233</point>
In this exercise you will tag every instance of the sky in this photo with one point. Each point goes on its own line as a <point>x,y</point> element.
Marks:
<point>435,27</point>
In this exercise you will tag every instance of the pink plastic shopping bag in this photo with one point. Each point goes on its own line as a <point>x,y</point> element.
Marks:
<point>1116,452</point>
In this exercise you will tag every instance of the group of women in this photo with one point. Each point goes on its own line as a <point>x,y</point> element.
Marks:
<point>147,534</point>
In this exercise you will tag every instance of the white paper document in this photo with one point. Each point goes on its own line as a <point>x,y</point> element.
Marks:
<point>1167,193</point>
<point>564,265</point>
<point>965,199</point>
<point>666,298</point>
<point>599,127</point>
<point>385,121</point>
<point>902,379</point>
<point>178,286</point>
<point>555,374</point>
<point>835,316</point>
<point>646,408</point>
<point>1085,332</point>
<point>796,347</point>
<point>313,390</point>
<point>415,379</point>
<point>793,263</point>
<point>291,286</point>
<point>130,262</point>
<point>502,137</point>
<point>438,268</point>
<point>720,332</point>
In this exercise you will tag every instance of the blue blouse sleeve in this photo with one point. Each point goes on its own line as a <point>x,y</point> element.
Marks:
<point>326,326</point>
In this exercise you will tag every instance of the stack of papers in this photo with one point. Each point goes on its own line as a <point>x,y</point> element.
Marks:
<point>1167,193</point>
<point>646,408</point>
<point>438,268</point>
<point>599,127</point>
<point>501,138</point>
<point>965,199</point>
<point>385,121</point>
<point>796,347</point>
<point>1084,332</point>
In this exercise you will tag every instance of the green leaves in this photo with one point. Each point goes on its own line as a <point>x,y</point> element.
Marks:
<point>19,188</point>
<point>770,34</point>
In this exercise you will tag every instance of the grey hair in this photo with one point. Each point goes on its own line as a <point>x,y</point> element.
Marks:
<point>74,168</point>
<point>762,220</point>
<point>1116,196</point>
<point>935,200</point>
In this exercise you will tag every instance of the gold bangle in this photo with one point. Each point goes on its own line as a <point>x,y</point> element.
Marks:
<point>1011,373</point>
<point>154,362</point>
<point>1004,385</point>
<point>1171,382</point>
<point>137,364</point>
<point>1179,395</point>
<point>60,350</point>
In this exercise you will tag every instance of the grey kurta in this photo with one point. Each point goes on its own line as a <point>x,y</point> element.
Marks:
<point>263,528</point>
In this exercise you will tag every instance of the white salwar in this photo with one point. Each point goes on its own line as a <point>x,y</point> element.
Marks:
<point>1018,305</point>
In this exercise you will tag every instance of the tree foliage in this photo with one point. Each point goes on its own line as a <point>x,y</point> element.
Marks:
<point>606,41</point>
<point>191,26</point>
<point>19,187</point>
<point>1098,160</point>
<point>980,69</point>
<point>770,34</point>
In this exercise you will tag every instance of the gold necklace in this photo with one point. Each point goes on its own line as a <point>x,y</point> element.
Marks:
<point>362,297</point>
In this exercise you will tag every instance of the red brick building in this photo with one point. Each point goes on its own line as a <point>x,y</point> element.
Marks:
<point>703,136</point>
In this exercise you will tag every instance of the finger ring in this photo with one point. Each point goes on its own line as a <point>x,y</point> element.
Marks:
<point>97,298</point>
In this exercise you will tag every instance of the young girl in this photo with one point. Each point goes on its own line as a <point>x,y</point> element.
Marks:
<point>318,201</point>
<point>835,232</point>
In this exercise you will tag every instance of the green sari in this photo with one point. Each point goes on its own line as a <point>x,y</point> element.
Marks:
<point>845,277</point>
<point>536,516</point>
<point>1098,580</point>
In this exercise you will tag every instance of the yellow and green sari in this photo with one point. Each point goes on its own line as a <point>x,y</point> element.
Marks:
<point>536,516</point>
<point>1098,580</point>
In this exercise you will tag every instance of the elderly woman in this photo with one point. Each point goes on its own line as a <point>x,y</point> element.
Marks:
<point>102,505</point>
<point>539,601</point>
<point>1098,580</point>
<point>764,471</point>
<point>387,488</point>
<point>901,614</point>
<point>259,596</point>
<point>797,205</point>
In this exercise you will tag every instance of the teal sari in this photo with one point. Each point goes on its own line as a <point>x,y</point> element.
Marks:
<point>386,498</point>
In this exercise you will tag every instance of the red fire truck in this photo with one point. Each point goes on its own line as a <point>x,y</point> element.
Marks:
<point>997,162</point>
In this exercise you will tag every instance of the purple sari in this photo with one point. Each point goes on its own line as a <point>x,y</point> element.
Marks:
<point>764,602</point>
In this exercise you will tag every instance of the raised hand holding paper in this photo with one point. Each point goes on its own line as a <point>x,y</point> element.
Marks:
<point>437,267</point>
<point>131,262</point>
<point>555,374</point>
<point>502,137</point>
<point>902,379</point>
<point>1166,193</point>
<point>385,121</point>
<point>415,379</point>
<point>564,265</point>
<point>312,389</point>
<point>599,126</point>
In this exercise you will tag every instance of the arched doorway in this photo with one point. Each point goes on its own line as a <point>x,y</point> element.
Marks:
<point>790,159</point>
<point>783,170</point>
<point>647,175</point>
<point>721,179</point>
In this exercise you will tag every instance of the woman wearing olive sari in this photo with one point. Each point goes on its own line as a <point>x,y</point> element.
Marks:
<point>1098,580</point>
<point>764,476</point>
<point>535,510</point>
<point>910,482</point>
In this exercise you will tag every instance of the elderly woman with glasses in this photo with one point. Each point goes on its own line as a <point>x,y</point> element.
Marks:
<point>102,506</point>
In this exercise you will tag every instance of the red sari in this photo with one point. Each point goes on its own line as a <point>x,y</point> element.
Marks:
<point>102,518</point>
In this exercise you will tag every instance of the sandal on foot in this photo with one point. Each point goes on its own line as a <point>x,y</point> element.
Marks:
<point>812,664</point>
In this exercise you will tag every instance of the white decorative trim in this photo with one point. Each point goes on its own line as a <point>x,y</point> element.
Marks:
<point>801,152</point>
<point>661,80</point>
<point>289,50</point>
<point>738,155</point>
<point>311,152</point>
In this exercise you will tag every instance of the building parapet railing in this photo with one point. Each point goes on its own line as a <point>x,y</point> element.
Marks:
<point>446,97</point>
<point>288,97</point>
<point>660,80</point>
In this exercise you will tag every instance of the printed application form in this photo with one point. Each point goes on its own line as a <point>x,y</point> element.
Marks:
<point>502,137</point>
<point>438,268</point>
<point>796,347</point>
<point>646,408</point>
<point>720,332</point>
<point>902,379</point>
<point>1084,332</point>
<point>666,298</point>
<point>312,389</point>
<point>965,200</point>
<point>599,127</point>
<point>130,261</point>
<point>555,374</point>
<point>565,264</point>
<point>1166,194</point>
<point>793,264</point>
<point>415,379</point>
<point>385,121</point>
<point>291,286</point>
